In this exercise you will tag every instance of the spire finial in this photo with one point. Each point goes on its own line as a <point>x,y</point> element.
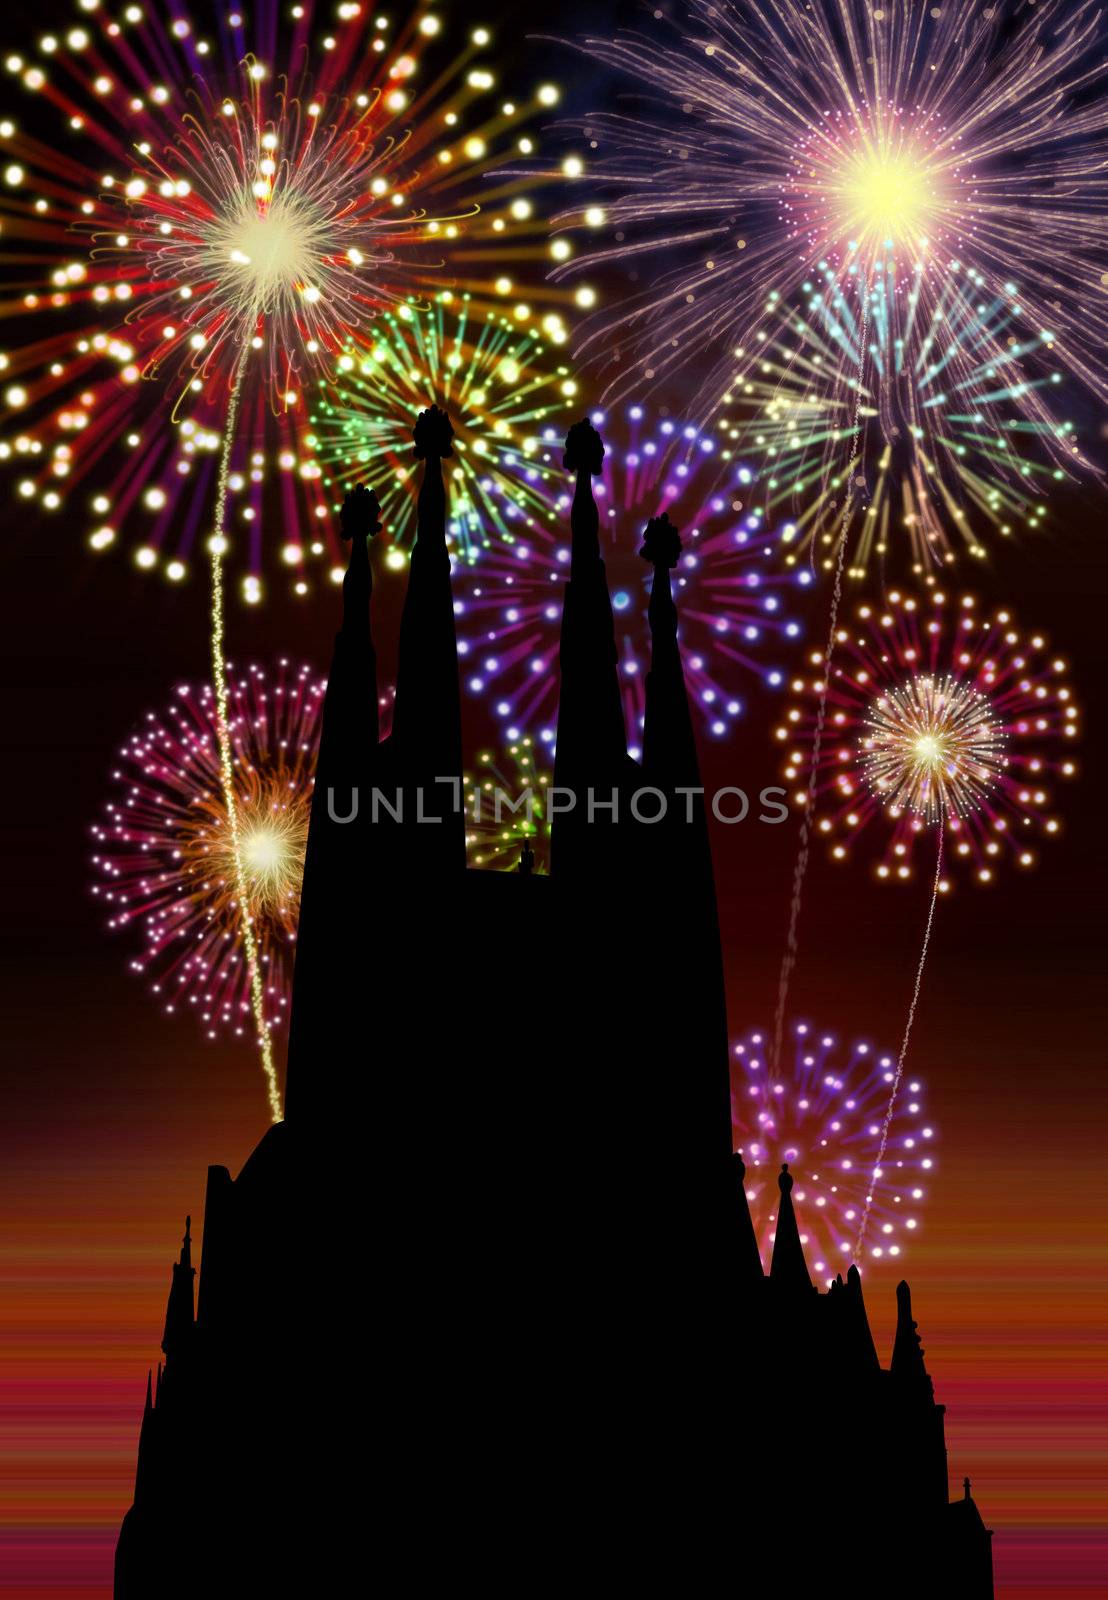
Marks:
<point>661,542</point>
<point>965,1488</point>
<point>433,435</point>
<point>180,1311</point>
<point>661,546</point>
<point>359,520</point>
<point>360,514</point>
<point>584,449</point>
<point>584,455</point>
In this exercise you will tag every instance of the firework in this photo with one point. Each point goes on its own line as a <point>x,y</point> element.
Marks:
<point>960,437</point>
<point>732,603</point>
<point>165,866</point>
<point>498,376</point>
<point>217,205</point>
<point>506,806</point>
<point>934,747</point>
<point>912,163</point>
<point>938,712</point>
<point>824,1113</point>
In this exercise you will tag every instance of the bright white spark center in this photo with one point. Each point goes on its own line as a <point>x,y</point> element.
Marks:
<point>263,850</point>
<point>934,746</point>
<point>272,837</point>
<point>265,259</point>
<point>885,194</point>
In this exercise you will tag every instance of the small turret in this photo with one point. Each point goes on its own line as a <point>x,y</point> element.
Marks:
<point>855,1354</point>
<point>788,1269</point>
<point>969,1547</point>
<point>180,1315</point>
<point>907,1366</point>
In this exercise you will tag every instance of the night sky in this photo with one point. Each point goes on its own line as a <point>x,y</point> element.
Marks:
<point>110,1113</point>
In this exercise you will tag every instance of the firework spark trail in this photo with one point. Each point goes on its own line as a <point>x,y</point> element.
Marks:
<point>803,850</point>
<point>226,760</point>
<point>895,1090</point>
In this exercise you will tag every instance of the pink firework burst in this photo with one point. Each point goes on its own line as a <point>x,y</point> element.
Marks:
<point>823,1114</point>
<point>164,865</point>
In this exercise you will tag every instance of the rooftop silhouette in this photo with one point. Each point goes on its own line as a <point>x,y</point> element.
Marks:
<point>488,1305</point>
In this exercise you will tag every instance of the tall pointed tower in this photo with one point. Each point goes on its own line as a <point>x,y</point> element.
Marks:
<point>426,744</point>
<point>788,1269</point>
<point>591,764</point>
<point>689,1036</point>
<point>338,877</point>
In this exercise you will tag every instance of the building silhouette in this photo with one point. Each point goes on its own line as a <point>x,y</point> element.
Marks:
<point>487,1307</point>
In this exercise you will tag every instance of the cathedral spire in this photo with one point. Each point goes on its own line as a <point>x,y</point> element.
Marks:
<point>669,745</point>
<point>427,722</point>
<point>146,1466</point>
<point>907,1366</point>
<point>680,893</point>
<point>788,1267</point>
<point>179,1314</point>
<point>591,752</point>
<point>336,857</point>
<point>361,520</point>
<point>584,456</point>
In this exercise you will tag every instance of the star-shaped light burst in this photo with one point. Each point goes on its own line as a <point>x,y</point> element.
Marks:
<point>935,747</point>
<point>165,864</point>
<point>229,197</point>
<point>939,712</point>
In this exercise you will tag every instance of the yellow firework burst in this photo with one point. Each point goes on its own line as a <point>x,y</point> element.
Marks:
<point>933,746</point>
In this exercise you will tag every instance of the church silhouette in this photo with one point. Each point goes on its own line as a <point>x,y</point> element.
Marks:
<point>488,1307</point>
